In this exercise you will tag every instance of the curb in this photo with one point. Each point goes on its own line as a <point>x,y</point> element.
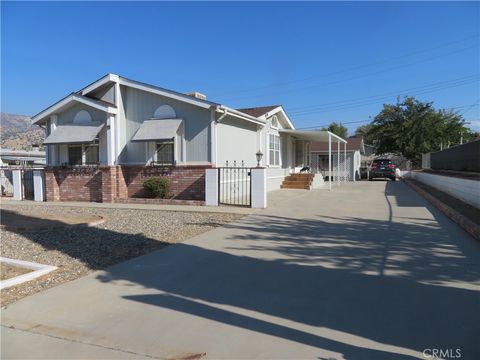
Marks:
<point>465,223</point>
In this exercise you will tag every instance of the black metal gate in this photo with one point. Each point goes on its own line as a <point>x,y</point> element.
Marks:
<point>27,176</point>
<point>234,185</point>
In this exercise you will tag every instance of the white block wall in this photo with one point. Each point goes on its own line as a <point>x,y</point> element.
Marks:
<point>466,190</point>
<point>38,185</point>
<point>211,187</point>
<point>259,188</point>
<point>17,185</point>
<point>275,177</point>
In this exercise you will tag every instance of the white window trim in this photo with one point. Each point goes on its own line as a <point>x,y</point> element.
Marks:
<point>279,150</point>
<point>84,153</point>
<point>155,155</point>
<point>179,148</point>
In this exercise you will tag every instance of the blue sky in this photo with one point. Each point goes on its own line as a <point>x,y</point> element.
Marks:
<point>323,61</point>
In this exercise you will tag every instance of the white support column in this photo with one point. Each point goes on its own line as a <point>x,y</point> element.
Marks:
<point>345,163</point>
<point>338,162</point>
<point>38,185</point>
<point>84,155</point>
<point>17,185</point>
<point>211,187</point>
<point>119,104</point>
<point>213,138</point>
<point>53,149</point>
<point>329,161</point>
<point>259,188</point>
<point>111,140</point>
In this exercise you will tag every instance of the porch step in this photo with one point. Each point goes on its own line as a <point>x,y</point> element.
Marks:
<point>298,181</point>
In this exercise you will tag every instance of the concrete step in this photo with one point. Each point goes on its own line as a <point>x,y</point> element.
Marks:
<point>290,186</point>
<point>296,182</point>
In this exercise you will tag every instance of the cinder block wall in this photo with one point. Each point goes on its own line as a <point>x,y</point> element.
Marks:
<point>464,189</point>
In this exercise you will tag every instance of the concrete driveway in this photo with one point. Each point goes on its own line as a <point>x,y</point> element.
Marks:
<point>367,271</point>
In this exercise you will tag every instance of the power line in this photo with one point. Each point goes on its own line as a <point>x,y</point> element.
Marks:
<point>445,82</point>
<point>328,84</point>
<point>426,50</point>
<point>367,121</point>
<point>379,99</point>
<point>324,125</point>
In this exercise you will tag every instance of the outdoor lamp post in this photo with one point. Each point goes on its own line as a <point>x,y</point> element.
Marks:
<point>259,155</point>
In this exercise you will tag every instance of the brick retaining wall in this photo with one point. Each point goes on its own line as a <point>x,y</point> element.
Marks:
<point>120,183</point>
<point>75,184</point>
<point>187,182</point>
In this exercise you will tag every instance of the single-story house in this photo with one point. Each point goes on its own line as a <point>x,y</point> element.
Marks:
<point>106,139</point>
<point>355,150</point>
<point>10,157</point>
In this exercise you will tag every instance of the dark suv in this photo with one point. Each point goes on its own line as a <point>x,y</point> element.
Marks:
<point>382,168</point>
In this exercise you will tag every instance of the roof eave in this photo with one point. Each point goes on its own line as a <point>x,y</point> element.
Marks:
<point>41,117</point>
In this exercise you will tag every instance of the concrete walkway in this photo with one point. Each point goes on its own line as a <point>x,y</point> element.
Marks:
<point>367,271</point>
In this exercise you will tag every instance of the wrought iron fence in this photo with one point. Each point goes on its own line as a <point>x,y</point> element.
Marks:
<point>234,185</point>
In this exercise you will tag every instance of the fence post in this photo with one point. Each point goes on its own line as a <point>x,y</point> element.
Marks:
<point>259,188</point>
<point>211,187</point>
<point>38,185</point>
<point>17,184</point>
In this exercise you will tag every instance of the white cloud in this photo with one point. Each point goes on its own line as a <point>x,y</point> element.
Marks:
<point>474,125</point>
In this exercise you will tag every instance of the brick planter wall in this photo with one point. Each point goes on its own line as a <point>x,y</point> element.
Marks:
<point>187,182</point>
<point>75,184</point>
<point>121,183</point>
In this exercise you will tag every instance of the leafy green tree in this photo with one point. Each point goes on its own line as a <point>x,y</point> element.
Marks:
<point>337,129</point>
<point>365,132</point>
<point>411,127</point>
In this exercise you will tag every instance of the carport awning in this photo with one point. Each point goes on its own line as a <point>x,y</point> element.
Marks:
<point>313,135</point>
<point>74,134</point>
<point>158,129</point>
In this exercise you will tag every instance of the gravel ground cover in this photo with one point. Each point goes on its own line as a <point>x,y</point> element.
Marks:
<point>76,251</point>
<point>8,271</point>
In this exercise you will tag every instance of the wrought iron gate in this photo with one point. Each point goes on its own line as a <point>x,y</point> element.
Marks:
<point>234,185</point>
<point>27,179</point>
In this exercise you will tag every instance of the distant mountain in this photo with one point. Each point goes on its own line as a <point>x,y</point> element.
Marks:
<point>18,133</point>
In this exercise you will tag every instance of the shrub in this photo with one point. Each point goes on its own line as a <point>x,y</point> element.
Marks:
<point>157,187</point>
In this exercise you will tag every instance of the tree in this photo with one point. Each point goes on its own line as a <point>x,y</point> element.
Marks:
<point>365,132</point>
<point>337,129</point>
<point>411,127</point>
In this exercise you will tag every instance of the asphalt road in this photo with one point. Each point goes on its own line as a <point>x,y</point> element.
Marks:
<point>366,271</point>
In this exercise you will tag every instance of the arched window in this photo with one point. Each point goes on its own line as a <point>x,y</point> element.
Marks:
<point>82,116</point>
<point>274,121</point>
<point>164,112</point>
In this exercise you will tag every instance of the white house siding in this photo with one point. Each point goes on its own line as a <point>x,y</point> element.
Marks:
<point>275,177</point>
<point>105,93</point>
<point>236,141</point>
<point>284,148</point>
<point>66,117</point>
<point>140,105</point>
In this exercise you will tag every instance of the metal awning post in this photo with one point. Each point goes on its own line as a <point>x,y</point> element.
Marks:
<point>345,162</point>
<point>338,162</point>
<point>329,161</point>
